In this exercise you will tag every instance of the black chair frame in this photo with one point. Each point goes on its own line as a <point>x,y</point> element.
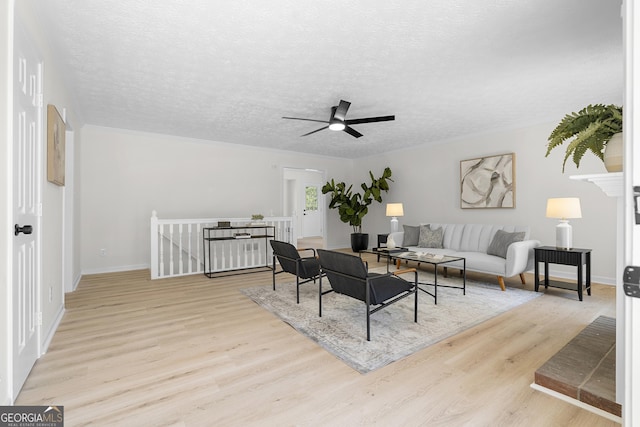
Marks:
<point>298,264</point>
<point>368,282</point>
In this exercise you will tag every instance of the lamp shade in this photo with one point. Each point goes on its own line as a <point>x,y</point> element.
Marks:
<point>564,207</point>
<point>395,209</point>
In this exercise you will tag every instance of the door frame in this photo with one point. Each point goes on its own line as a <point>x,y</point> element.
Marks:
<point>299,177</point>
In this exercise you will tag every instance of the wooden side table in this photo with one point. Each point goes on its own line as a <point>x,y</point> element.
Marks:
<point>552,255</point>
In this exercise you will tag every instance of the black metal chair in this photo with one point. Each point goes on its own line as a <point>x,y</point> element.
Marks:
<point>348,275</point>
<point>306,269</point>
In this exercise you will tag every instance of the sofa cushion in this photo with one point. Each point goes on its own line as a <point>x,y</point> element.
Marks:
<point>501,242</point>
<point>411,235</point>
<point>430,237</point>
<point>452,235</point>
<point>483,263</point>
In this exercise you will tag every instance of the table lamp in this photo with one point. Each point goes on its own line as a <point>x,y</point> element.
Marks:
<point>394,210</point>
<point>564,208</point>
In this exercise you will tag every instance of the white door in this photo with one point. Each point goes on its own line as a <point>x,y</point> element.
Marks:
<point>27,141</point>
<point>312,211</point>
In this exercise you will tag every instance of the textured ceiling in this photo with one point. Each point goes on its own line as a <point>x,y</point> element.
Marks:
<point>229,70</point>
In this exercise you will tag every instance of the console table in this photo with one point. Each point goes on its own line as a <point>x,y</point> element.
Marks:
<point>237,248</point>
<point>574,256</point>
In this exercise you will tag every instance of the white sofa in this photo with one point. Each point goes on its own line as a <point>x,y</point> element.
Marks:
<point>472,241</point>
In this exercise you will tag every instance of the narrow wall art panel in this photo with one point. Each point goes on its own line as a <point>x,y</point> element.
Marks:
<point>55,146</point>
<point>488,182</point>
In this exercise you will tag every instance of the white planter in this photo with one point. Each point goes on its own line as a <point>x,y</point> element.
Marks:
<point>613,153</point>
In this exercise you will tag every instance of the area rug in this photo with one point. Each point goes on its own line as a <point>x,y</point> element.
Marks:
<point>342,328</point>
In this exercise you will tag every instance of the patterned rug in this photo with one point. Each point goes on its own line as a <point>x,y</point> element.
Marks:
<point>342,328</point>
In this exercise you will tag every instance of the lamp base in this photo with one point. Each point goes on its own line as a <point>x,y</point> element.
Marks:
<point>564,235</point>
<point>394,224</point>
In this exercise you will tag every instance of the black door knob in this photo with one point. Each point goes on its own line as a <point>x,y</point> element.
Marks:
<point>27,229</point>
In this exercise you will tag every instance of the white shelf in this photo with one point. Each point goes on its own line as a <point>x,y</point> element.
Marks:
<point>611,183</point>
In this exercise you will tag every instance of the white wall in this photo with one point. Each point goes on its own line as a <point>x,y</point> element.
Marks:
<point>126,175</point>
<point>427,183</point>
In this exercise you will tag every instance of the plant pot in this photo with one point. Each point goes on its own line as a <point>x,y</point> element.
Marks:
<point>613,152</point>
<point>359,242</point>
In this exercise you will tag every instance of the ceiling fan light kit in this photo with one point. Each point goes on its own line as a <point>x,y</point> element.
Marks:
<point>338,121</point>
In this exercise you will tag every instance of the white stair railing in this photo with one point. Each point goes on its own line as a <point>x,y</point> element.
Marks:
<point>176,244</point>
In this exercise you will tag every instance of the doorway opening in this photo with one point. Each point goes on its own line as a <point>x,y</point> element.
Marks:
<point>304,201</point>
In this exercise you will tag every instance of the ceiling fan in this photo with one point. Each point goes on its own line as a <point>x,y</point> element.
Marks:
<point>338,120</point>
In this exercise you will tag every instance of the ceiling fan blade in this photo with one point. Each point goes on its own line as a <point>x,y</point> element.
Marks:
<point>370,120</point>
<point>307,120</point>
<point>317,130</point>
<point>351,131</point>
<point>341,111</point>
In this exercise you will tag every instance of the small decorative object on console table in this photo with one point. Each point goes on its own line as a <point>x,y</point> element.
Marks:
<point>564,208</point>
<point>575,256</point>
<point>257,219</point>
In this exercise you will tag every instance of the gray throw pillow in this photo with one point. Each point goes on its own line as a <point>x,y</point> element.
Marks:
<point>411,235</point>
<point>501,242</point>
<point>430,238</point>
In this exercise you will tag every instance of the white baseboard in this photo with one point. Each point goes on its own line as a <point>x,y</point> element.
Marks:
<point>577,403</point>
<point>76,281</point>
<point>572,276</point>
<point>116,269</point>
<point>51,332</point>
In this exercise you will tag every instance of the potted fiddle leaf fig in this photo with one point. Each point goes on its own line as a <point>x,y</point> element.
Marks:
<point>596,128</point>
<point>352,207</point>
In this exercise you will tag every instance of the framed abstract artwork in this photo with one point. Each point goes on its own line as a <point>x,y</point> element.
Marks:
<point>55,146</point>
<point>488,182</point>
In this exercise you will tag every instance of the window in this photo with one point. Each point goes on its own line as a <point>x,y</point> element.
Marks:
<point>311,198</point>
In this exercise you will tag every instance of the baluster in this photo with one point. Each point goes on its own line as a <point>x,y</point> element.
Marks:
<point>200,238</point>
<point>180,253</point>
<point>223,254</point>
<point>171,249</point>
<point>161,272</point>
<point>154,250</point>
<point>190,249</point>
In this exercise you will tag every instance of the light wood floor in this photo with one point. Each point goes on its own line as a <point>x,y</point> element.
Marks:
<point>196,352</point>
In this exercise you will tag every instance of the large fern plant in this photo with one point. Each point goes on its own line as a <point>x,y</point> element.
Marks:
<point>592,127</point>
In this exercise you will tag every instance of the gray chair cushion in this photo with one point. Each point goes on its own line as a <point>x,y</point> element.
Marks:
<point>288,256</point>
<point>348,275</point>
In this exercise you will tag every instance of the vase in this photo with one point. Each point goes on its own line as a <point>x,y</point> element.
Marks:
<point>613,153</point>
<point>391,244</point>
